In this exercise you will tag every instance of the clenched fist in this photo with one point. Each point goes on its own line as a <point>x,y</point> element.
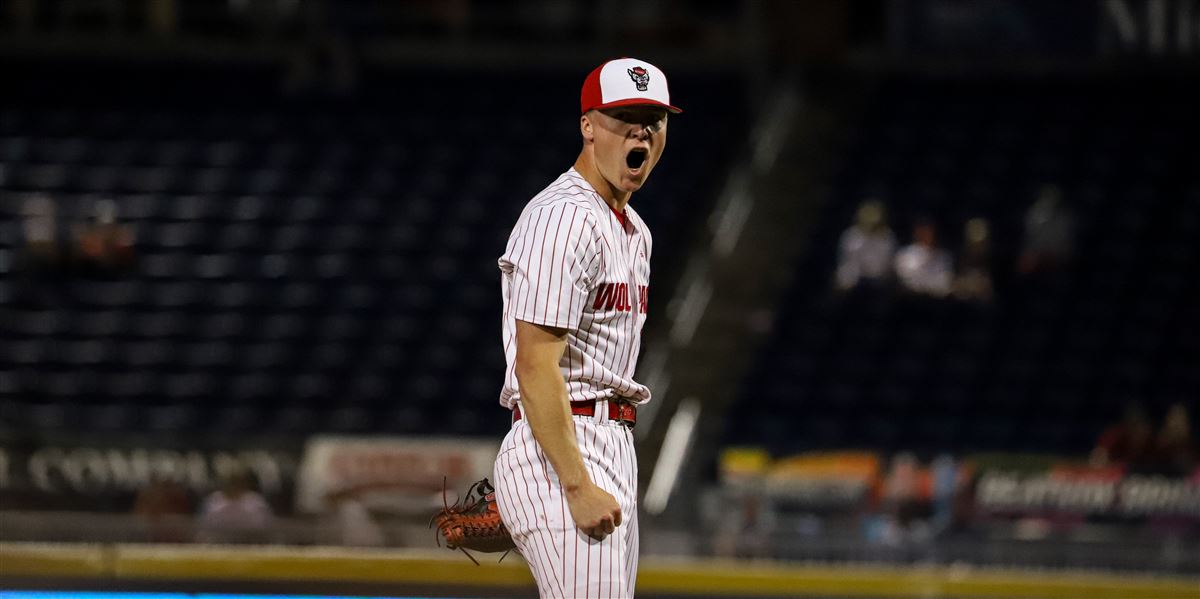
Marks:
<point>594,510</point>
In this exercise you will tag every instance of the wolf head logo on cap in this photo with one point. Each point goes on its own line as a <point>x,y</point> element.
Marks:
<point>640,76</point>
<point>606,86</point>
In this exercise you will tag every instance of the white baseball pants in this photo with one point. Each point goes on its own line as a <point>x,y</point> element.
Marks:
<point>565,561</point>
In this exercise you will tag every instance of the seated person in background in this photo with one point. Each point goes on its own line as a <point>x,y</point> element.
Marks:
<point>163,505</point>
<point>1128,441</point>
<point>1049,233</point>
<point>974,278</point>
<point>40,252</point>
<point>1175,450</point>
<point>40,258</point>
<point>865,249</point>
<point>104,246</point>
<point>905,507</point>
<point>235,513</point>
<point>348,522</point>
<point>921,266</point>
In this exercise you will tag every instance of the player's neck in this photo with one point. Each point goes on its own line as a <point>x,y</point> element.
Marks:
<point>616,199</point>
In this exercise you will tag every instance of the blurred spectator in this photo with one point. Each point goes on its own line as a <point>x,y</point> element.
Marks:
<point>905,508</point>
<point>974,278</point>
<point>902,484</point>
<point>945,483</point>
<point>41,251</point>
<point>163,505</point>
<point>1128,441</point>
<point>1175,449</point>
<point>348,522</point>
<point>1049,233</point>
<point>104,247</point>
<point>866,248</point>
<point>236,513</point>
<point>745,526</point>
<point>922,267</point>
<point>40,258</point>
<point>963,518</point>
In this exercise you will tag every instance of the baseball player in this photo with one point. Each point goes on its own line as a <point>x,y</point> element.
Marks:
<point>575,280</point>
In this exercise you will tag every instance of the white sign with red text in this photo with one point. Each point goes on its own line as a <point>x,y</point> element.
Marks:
<point>390,474</point>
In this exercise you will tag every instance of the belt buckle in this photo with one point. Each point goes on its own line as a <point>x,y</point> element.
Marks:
<point>625,413</point>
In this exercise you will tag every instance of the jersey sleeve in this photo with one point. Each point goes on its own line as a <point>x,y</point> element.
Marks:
<point>552,266</point>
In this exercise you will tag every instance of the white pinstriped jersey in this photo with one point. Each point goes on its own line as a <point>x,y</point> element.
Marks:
<point>570,264</point>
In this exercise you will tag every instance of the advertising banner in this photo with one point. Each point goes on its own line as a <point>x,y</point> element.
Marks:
<point>105,473</point>
<point>822,481</point>
<point>1087,492</point>
<point>397,475</point>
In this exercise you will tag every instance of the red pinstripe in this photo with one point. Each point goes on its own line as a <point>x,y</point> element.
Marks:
<point>604,462</point>
<point>532,291</point>
<point>599,569</point>
<point>529,494</point>
<point>514,514</point>
<point>560,272</point>
<point>565,247</point>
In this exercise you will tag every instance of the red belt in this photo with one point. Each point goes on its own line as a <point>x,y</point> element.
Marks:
<point>619,411</point>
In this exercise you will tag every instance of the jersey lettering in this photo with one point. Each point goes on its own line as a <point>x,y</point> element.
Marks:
<point>616,296</point>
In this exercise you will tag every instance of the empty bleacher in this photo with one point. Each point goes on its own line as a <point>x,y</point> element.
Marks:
<point>304,264</point>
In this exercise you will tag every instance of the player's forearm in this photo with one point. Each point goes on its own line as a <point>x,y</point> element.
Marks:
<point>545,406</point>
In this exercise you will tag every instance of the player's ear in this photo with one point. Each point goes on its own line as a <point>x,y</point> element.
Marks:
<point>585,128</point>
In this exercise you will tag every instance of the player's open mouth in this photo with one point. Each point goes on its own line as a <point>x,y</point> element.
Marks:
<point>636,158</point>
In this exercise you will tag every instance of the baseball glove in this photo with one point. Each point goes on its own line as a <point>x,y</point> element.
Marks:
<point>473,522</point>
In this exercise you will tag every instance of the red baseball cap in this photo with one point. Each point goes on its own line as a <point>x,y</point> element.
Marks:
<point>625,82</point>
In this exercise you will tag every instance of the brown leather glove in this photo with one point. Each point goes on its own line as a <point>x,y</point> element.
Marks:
<point>474,523</point>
